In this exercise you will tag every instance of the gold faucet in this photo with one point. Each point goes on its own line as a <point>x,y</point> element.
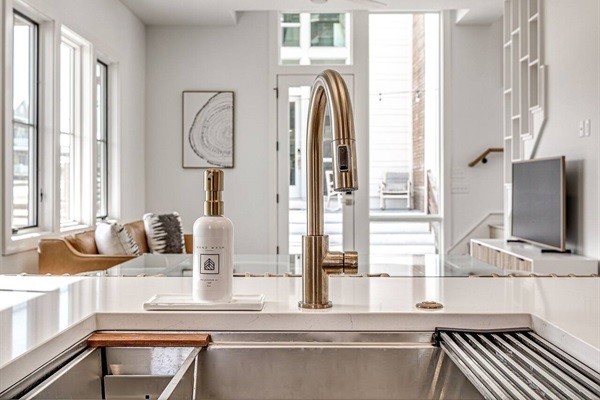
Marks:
<point>328,91</point>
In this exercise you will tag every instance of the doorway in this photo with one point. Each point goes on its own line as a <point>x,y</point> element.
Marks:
<point>403,142</point>
<point>292,116</point>
<point>404,135</point>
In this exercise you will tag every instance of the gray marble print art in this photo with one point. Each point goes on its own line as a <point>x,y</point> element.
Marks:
<point>208,129</point>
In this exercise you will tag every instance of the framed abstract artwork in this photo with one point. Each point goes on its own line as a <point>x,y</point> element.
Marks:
<point>207,129</point>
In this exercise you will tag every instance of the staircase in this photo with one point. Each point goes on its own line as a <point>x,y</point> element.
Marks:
<point>388,239</point>
<point>401,238</point>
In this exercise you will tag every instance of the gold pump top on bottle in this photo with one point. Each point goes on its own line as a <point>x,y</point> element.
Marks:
<point>213,185</point>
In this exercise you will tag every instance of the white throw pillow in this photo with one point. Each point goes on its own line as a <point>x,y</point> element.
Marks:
<point>164,233</point>
<point>113,239</point>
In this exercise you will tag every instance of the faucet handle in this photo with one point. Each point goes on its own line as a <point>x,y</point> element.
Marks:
<point>350,262</point>
<point>338,262</point>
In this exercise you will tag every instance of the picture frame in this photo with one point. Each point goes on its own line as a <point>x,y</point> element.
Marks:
<point>207,134</point>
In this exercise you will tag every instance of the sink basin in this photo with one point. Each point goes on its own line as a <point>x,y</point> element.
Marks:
<point>452,364</point>
<point>328,366</point>
<point>307,365</point>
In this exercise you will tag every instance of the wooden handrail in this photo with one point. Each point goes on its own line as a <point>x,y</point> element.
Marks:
<point>483,155</point>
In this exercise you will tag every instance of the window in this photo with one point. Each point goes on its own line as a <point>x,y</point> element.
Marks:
<point>77,172</point>
<point>69,189</point>
<point>328,30</point>
<point>315,38</point>
<point>290,26</point>
<point>25,125</point>
<point>101,140</point>
<point>57,150</point>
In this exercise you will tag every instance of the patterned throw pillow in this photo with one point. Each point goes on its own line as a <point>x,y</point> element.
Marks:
<point>164,233</point>
<point>113,239</point>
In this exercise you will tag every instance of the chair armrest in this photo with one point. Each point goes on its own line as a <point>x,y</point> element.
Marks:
<point>57,256</point>
<point>189,243</point>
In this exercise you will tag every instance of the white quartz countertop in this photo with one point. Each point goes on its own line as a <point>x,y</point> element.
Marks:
<point>42,316</point>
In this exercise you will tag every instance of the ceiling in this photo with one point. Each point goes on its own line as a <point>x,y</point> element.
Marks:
<point>226,12</point>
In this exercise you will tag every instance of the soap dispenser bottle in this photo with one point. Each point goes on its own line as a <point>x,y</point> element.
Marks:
<point>213,246</point>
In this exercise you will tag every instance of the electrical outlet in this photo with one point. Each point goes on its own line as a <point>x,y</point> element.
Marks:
<point>460,188</point>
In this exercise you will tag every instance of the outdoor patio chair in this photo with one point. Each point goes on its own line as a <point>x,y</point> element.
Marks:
<point>330,192</point>
<point>395,185</point>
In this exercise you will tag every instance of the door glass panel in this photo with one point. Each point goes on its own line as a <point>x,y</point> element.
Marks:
<point>404,134</point>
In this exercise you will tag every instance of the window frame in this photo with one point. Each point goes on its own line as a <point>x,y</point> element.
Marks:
<point>27,239</point>
<point>103,195</point>
<point>74,131</point>
<point>34,195</point>
<point>83,208</point>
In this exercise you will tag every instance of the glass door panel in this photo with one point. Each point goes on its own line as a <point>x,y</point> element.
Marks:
<point>404,135</point>
<point>293,103</point>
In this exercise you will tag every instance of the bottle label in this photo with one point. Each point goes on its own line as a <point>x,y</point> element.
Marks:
<point>209,256</point>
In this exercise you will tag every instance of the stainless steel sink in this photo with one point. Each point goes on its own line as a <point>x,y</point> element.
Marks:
<point>259,366</point>
<point>110,373</point>
<point>320,365</point>
<point>328,366</point>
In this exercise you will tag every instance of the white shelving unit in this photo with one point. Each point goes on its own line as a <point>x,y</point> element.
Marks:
<point>524,88</point>
<point>524,258</point>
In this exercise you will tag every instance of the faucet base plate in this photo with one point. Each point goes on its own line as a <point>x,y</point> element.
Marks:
<point>314,306</point>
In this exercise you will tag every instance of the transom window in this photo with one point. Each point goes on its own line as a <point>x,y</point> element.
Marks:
<point>315,38</point>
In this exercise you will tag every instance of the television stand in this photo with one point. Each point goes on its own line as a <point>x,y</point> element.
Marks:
<point>526,258</point>
<point>542,250</point>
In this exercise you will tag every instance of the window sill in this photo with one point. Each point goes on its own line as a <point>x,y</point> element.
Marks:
<point>75,228</point>
<point>28,240</point>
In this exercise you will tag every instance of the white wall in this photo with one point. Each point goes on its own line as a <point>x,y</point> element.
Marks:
<point>118,34</point>
<point>571,51</point>
<point>236,58</point>
<point>474,124</point>
<point>211,58</point>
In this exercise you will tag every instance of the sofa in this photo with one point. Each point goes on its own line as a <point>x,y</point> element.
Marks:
<point>78,253</point>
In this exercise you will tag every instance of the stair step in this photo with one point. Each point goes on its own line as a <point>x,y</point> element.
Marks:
<point>403,239</point>
<point>401,249</point>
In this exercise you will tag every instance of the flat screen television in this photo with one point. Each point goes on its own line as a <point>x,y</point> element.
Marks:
<point>538,202</point>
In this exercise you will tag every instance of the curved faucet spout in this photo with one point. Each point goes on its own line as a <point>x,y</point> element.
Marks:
<point>328,91</point>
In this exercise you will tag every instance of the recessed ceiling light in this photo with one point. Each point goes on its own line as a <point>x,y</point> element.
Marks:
<point>319,1</point>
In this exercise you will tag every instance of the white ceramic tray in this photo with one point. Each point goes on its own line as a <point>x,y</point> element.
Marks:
<point>184,302</point>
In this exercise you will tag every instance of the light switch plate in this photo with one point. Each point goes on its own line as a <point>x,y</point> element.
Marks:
<point>587,127</point>
<point>460,188</point>
<point>458,172</point>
